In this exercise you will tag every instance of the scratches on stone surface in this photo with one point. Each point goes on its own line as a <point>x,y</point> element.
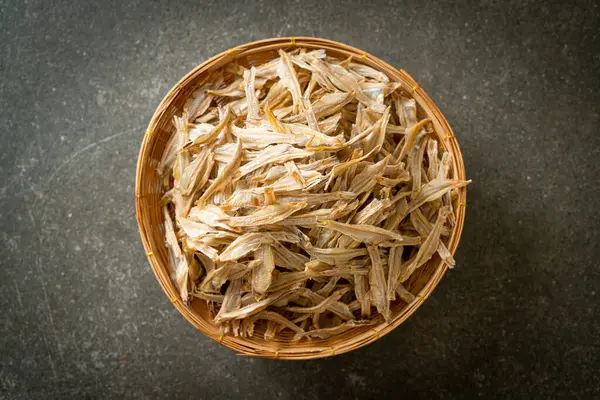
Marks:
<point>90,146</point>
<point>50,357</point>
<point>19,299</point>
<point>48,311</point>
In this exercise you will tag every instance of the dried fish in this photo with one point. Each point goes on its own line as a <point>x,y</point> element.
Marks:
<point>285,258</point>
<point>215,279</point>
<point>313,199</point>
<point>377,283</point>
<point>267,215</point>
<point>261,274</point>
<point>245,244</point>
<point>362,233</point>
<point>308,219</point>
<point>249,88</point>
<point>335,307</point>
<point>212,216</point>
<point>394,263</point>
<point>335,256</point>
<point>428,248</point>
<point>322,269</point>
<point>200,246</point>
<point>194,229</point>
<point>434,190</point>
<point>289,79</point>
<point>327,105</point>
<point>197,173</point>
<point>322,306</point>
<point>286,280</point>
<point>404,294</point>
<point>423,226</point>
<point>232,299</point>
<point>253,308</point>
<point>303,192</point>
<point>277,154</point>
<point>369,72</point>
<point>210,136</point>
<point>361,289</point>
<point>224,177</point>
<point>277,318</point>
<point>324,333</point>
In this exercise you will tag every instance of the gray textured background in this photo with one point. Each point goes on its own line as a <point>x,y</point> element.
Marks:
<point>82,315</point>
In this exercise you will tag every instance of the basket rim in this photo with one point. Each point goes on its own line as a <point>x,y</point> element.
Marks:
<point>440,123</point>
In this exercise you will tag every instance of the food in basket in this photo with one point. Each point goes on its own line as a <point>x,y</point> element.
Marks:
<point>303,194</point>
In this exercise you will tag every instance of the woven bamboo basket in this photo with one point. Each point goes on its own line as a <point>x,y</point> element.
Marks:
<point>151,223</point>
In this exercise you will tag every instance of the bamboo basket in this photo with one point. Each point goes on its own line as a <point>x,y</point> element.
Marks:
<point>151,224</point>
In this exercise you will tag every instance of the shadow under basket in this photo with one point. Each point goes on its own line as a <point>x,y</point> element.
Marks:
<point>151,222</point>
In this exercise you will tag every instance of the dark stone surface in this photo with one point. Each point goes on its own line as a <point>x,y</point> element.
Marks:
<point>82,314</point>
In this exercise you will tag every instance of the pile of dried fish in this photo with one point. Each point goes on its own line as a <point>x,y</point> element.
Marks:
<point>304,193</point>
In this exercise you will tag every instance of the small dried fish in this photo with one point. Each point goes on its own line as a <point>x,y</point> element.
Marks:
<point>194,229</point>
<point>321,269</point>
<point>261,274</point>
<point>200,246</point>
<point>322,306</point>
<point>429,246</point>
<point>253,308</point>
<point>404,294</point>
<point>261,137</point>
<point>394,264</point>
<point>434,190</point>
<point>289,79</point>
<point>212,216</point>
<point>377,283</point>
<point>171,238</point>
<point>308,219</point>
<point>363,233</point>
<point>302,193</point>
<point>361,289</point>
<point>224,177</point>
<point>325,333</point>
<point>267,215</point>
<point>423,226</point>
<point>369,72</point>
<point>276,154</point>
<point>231,301</point>
<point>287,280</point>
<point>211,135</point>
<point>432,160</point>
<point>249,88</point>
<point>335,256</point>
<point>215,279</point>
<point>285,258</point>
<point>277,318</point>
<point>245,244</point>
<point>313,199</point>
<point>335,307</point>
<point>327,105</point>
